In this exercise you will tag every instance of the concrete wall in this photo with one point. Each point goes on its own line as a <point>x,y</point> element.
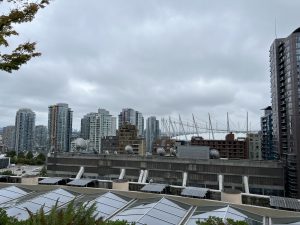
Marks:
<point>264,177</point>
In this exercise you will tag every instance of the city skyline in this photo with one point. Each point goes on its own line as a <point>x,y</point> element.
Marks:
<point>161,64</point>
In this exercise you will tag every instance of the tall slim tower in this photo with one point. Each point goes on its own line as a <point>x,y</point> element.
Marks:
<point>102,124</point>
<point>130,116</point>
<point>152,132</point>
<point>267,135</point>
<point>9,137</point>
<point>41,137</point>
<point>140,123</point>
<point>60,127</point>
<point>24,130</point>
<point>285,83</point>
<point>85,126</point>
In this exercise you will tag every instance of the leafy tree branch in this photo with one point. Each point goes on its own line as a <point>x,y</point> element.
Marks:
<point>24,11</point>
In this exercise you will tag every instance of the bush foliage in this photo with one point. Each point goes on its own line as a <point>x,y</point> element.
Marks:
<point>28,159</point>
<point>212,220</point>
<point>82,214</point>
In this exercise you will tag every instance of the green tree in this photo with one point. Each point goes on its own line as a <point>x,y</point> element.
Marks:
<point>212,220</point>
<point>5,220</point>
<point>22,11</point>
<point>21,155</point>
<point>11,153</point>
<point>29,155</point>
<point>7,172</point>
<point>43,172</point>
<point>41,157</point>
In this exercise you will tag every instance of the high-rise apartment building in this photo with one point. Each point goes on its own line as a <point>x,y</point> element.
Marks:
<point>285,89</point>
<point>60,127</point>
<point>24,130</point>
<point>152,133</point>
<point>267,149</point>
<point>254,146</point>
<point>41,133</point>
<point>85,126</point>
<point>102,124</point>
<point>9,137</point>
<point>140,123</point>
<point>130,116</point>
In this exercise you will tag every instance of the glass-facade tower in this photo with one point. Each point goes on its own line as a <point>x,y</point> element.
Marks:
<point>285,89</point>
<point>24,130</point>
<point>60,127</point>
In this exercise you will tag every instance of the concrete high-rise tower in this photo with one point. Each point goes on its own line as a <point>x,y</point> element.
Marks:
<point>85,126</point>
<point>9,137</point>
<point>102,124</point>
<point>41,133</point>
<point>285,89</point>
<point>130,116</point>
<point>24,130</point>
<point>60,127</point>
<point>267,135</point>
<point>152,132</point>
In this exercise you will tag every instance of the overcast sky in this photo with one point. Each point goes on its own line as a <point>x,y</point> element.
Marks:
<point>159,57</point>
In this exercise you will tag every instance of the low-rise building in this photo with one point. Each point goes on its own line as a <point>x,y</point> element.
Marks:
<point>128,136</point>
<point>230,148</point>
<point>110,144</point>
<point>262,177</point>
<point>164,142</point>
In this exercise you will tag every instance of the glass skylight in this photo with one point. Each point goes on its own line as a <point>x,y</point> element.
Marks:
<point>10,193</point>
<point>47,201</point>
<point>162,212</point>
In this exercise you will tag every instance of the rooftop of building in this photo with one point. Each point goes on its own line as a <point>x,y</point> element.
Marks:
<point>157,158</point>
<point>140,207</point>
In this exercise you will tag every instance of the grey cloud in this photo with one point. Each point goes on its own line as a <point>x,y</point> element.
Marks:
<point>160,57</point>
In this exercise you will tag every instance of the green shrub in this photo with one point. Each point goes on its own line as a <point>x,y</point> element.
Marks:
<point>82,214</point>
<point>212,220</point>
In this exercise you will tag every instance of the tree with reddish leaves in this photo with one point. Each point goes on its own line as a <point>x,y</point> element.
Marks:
<point>23,11</point>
